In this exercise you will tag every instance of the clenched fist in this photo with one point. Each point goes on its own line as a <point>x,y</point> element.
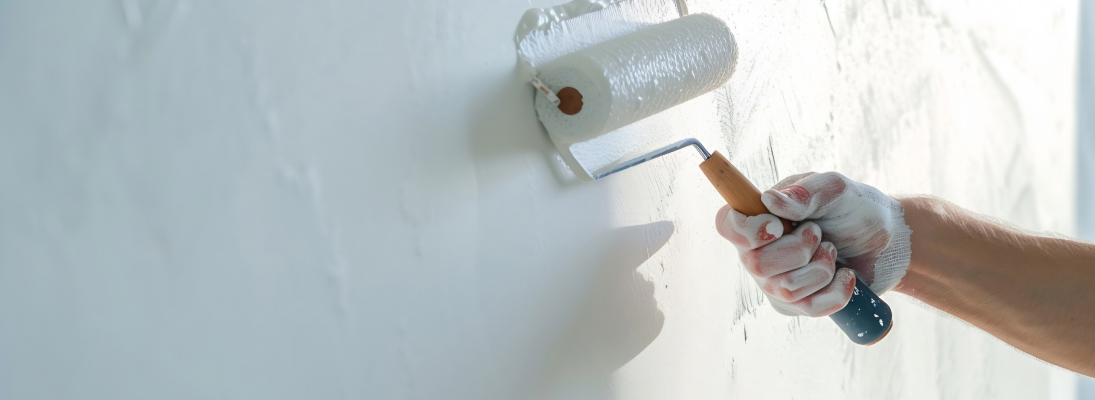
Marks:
<point>846,230</point>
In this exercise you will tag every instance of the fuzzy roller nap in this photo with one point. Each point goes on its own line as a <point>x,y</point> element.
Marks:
<point>629,78</point>
<point>604,87</point>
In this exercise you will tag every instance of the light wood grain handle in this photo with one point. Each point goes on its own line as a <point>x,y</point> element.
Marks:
<point>735,188</point>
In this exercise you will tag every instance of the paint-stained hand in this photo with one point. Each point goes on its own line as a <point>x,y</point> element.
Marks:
<point>844,226</point>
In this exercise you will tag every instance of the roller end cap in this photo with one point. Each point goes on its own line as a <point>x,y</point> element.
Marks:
<point>570,100</point>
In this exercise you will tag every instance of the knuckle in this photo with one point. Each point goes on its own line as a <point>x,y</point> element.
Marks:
<point>784,294</point>
<point>832,175</point>
<point>825,255</point>
<point>728,226</point>
<point>790,180</point>
<point>810,233</point>
<point>751,261</point>
<point>774,288</point>
<point>833,182</point>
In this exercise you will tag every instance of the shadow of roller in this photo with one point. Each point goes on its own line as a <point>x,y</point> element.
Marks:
<point>617,319</point>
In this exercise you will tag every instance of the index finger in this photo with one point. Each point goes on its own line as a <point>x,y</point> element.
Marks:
<point>746,232</point>
<point>812,197</point>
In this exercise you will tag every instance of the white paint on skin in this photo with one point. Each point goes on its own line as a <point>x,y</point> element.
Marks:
<point>809,275</point>
<point>866,226</point>
<point>829,299</point>
<point>748,232</point>
<point>786,253</point>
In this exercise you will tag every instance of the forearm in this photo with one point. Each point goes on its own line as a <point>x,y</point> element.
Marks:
<point>1035,293</point>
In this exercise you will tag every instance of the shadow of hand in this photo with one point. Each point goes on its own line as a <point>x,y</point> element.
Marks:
<point>617,320</point>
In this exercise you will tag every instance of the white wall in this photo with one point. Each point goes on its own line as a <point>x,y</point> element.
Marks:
<point>345,199</point>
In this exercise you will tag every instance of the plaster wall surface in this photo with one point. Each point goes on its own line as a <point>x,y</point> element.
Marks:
<point>344,199</point>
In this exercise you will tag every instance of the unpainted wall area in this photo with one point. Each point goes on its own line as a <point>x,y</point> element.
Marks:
<point>336,199</point>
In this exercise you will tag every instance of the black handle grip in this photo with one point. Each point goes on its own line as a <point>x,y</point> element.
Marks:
<point>866,319</point>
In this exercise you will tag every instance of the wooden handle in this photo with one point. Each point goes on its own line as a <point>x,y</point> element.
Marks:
<point>735,188</point>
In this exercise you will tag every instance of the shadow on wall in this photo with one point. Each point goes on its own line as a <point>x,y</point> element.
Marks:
<point>617,319</point>
<point>582,305</point>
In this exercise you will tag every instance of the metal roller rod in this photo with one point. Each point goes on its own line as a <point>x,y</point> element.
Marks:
<point>657,153</point>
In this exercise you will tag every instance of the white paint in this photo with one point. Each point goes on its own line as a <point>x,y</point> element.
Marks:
<point>545,34</point>
<point>867,227</point>
<point>809,275</point>
<point>629,61</point>
<point>635,76</point>
<point>596,21</point>
<point>744,231</point>
<point>270,200</point>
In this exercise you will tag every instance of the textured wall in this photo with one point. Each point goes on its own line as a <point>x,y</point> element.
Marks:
<point>344,199</point>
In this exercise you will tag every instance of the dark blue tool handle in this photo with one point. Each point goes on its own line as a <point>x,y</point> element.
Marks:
<point>866,319</point>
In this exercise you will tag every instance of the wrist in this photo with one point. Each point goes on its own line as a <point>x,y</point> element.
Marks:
<point>954,253</point>
<point>922,215</point>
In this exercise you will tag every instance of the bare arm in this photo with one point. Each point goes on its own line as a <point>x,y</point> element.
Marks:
<point>1035,293</point>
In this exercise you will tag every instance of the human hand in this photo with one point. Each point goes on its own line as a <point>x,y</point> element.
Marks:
<point>863,230</point>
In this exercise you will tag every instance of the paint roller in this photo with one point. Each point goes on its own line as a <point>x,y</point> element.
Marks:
<point>590,93</point>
